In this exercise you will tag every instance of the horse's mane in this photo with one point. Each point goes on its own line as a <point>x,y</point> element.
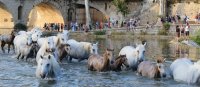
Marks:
<point>58,40</point>
<point>157,72</point>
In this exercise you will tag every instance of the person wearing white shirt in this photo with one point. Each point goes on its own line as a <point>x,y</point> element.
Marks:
<point>187,31</point>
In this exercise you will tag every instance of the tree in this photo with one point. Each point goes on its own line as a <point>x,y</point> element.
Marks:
<point>121,6</point>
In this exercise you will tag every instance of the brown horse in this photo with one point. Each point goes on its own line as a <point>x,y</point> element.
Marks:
<point>63,51</point>
<point>116,66</point>
<point>146,68</point>
<point>100,63</point>
<point>7,39</point>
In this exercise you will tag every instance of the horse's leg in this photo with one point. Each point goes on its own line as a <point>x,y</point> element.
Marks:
<point>8,48</point>
<point>13,47</point>
<point>26,57</point>
<point>69,59</point>
<point>18,55</point>
<point>2,45</point>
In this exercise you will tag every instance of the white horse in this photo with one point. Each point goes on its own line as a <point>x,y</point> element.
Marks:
<point>92,47</point>
<point>185,70</point>
<point>81,50</point>
<point>47,67</point>
<point>48,46</point>
<point>134,55</point>
<point>22,45</point>
<point>62,37</point>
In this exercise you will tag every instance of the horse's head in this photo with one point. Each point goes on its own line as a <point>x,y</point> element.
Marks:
<point>63,38</point>
<point>45,65</point>
<point>161,67</point>
<point>50,45</point>
<point>29,39</point>
<point>94,48</point>
<point>36,30</point>
<point>67,48</point>
<point>123,60</point>
<point>140,52</point>
<point>109,54</point>
<point>36,36</point>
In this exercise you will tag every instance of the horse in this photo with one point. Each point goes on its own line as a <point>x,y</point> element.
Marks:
<point>100,63</point>
<point>23,44</point>
<point>134,55</point>
<point>62,37</point>
<point>92,47</point>
<point>120,60</point>
<point>152,70</point>
<point>81,50</point>
<point>47,47</point>
<point>183,69</point>
<point>47,67</point>
<point>7,39</point>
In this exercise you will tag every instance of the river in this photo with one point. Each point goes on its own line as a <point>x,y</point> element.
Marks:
<point>18,73</point>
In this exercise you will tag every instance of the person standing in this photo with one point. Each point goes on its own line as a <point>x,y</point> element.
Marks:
<point>187,29</point>
<point>177,32</point>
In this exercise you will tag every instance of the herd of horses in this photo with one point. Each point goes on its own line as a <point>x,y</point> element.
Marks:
<point>50,51</point>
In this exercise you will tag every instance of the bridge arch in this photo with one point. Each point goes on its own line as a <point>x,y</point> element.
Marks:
<point>6,19</point>
<point>44,12</point>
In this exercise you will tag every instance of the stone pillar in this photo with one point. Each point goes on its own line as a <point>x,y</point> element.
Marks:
<point>87,11</point>
<point>162,7</point>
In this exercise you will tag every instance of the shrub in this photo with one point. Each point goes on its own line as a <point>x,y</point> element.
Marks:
<point>166,26</point>
<point>196,37</point>
<point>100,32</point>
<point>20,27</point>
<point>165,30</point>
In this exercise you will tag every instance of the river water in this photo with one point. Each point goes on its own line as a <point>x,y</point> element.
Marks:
<point>18,73</point>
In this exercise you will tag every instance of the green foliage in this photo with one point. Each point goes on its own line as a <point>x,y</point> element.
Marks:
<point>165,30</point>
<point>196,37</point>
<point>20,26</point>
<point>103,32</point>
<point>121,6</point>
<point>166,26</point>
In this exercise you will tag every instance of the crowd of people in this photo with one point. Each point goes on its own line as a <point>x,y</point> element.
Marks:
<point>182,31</point>
<point>197,18</point>
<point>54,26</point>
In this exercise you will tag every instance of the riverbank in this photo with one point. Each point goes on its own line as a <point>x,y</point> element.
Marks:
<point>123,35</point>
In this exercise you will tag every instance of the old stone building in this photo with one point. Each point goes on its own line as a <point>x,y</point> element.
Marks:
<point>37,12</point>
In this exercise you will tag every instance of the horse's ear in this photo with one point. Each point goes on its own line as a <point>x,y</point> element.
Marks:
<point>49,57</point>
<point>145,44</point>
<point>164,60</point>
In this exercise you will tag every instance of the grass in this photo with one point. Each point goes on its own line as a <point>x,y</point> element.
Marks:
<point>196,37</point>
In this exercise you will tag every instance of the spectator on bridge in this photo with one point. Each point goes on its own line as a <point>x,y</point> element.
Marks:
<point>61,27</point>
<point>177,32</point>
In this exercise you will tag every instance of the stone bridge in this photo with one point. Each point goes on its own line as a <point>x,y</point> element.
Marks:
<point>37,12</point>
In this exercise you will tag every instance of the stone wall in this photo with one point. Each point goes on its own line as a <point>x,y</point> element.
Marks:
<point>188,8</point>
